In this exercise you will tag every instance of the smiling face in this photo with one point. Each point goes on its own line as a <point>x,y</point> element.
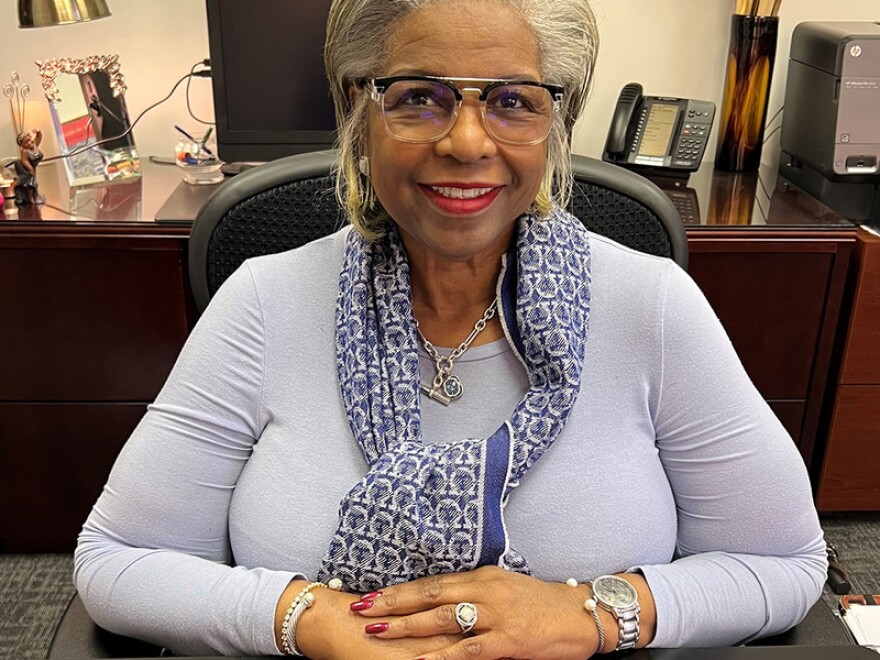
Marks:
<point>458,198</point>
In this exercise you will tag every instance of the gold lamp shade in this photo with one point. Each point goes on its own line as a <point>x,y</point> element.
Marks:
<point>43,13</point>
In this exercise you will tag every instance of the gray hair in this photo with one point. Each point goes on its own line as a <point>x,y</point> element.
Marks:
<point>359,33</point>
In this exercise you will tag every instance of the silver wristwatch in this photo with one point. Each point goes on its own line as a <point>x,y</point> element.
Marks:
<point>621,599</point>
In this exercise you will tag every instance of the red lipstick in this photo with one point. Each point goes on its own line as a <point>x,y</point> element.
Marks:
<point>461,205</point>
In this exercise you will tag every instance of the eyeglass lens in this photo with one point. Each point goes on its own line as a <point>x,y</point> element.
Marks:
<point>422,111</point>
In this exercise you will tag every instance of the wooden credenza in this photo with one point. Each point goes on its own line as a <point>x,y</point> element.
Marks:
<point>92,323</point>
<point>850,477</point>
<point>95,306</point>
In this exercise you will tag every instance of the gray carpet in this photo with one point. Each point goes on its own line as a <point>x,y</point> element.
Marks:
<point>856,537</point>
<point>34,589</point>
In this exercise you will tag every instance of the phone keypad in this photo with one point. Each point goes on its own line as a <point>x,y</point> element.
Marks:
<point>686,204</point>
<point>690,148</point>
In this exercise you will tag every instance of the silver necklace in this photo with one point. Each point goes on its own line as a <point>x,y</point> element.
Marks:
<point>446,386</point>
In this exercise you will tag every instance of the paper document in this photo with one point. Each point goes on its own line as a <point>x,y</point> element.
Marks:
<point>863,622</point>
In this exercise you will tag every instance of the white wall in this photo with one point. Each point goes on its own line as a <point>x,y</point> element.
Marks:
<point>673,47</point>
<point>679,48</point>
<point>157,41</point>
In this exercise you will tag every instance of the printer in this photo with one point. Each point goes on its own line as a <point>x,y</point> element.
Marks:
<point>831,123</point>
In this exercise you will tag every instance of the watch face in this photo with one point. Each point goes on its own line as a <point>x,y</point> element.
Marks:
<point>614,591</point>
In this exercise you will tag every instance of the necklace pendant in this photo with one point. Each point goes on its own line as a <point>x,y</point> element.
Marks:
<point>452,387</point>
<point>437,395</point>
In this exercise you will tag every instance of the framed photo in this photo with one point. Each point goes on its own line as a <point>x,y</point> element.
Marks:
<point>87,101</point>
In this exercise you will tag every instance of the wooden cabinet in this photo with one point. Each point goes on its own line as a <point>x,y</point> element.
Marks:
<point>94,308</point>
<point>56,458</point>
<point>93,318</point>
<point>850,478</point>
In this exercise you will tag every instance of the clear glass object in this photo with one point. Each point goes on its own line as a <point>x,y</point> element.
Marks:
<point>198,160</point>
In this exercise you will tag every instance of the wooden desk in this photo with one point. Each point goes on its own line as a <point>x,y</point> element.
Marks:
<point>850,478</point>
<point>95,306</point>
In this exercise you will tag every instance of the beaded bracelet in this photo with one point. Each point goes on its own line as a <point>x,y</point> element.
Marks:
<point>303,601</point>
<point>590,606</point>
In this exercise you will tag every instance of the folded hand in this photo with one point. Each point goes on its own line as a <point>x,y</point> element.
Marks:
<point>517,616</point>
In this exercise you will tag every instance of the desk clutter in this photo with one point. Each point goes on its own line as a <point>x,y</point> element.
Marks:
<point>860,615</point>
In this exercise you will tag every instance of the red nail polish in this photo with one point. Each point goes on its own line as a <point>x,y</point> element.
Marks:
<point>361,605</point>
<point>376,628</point>
<point>372,595</point>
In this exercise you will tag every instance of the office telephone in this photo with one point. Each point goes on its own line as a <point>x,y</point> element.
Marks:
<point>658,135</point>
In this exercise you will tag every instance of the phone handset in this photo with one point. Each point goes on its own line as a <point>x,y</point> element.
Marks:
<point>627,104</point>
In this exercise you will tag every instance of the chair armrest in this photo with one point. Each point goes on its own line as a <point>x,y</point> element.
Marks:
<point>77,636</point>
<point>819,628</point>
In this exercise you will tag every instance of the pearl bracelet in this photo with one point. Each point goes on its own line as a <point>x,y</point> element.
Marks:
<point>590,606</point>
<point>303,601</point>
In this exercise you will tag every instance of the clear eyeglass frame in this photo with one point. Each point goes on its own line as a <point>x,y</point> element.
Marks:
<point>482,87</point>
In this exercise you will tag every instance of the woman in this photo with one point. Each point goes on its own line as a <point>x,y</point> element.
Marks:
<point>594,421</point>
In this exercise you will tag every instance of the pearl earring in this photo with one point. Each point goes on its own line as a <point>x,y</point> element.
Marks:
<point>364,165</point>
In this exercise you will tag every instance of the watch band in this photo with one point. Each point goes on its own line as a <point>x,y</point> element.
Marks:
<point>627,615</point>
<point>627,627</point>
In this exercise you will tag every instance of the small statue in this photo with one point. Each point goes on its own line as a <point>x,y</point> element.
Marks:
<point>26,190</point>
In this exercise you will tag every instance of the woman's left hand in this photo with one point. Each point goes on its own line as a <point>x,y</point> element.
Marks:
<point>517,616</point>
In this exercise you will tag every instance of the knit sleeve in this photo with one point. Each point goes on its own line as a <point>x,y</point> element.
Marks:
<point>154,560</point>
<point>750,556</point>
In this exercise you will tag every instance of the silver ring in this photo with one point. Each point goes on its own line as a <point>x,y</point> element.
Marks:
<point>466,616</point>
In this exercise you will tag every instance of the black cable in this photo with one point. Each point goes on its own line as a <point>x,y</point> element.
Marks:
<point>130,128</point>
<point>770,121</point>
<point>767,194</point>
<point>770,134</point>
<point>188,105</point>
<point>761,209</point>
<point>100,106</point>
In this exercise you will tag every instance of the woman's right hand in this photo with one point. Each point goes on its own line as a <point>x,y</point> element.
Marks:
<point>330,630</point>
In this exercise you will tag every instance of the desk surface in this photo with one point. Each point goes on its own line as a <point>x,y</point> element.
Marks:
<point>724,201</point>
<point>751,200</point>
<point>736,653</point>
<point>132,201</point>
<point>758,653</point>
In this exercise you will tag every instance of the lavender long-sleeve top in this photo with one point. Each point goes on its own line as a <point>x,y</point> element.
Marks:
<point>670,462</point>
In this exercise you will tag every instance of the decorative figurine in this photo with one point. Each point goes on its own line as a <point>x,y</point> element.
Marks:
<point>26,190</point>
<point>26,193</point>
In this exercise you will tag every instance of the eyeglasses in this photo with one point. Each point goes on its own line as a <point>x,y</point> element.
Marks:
<point>424,108</point>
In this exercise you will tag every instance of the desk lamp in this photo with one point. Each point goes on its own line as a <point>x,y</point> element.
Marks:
<point>44,13</point>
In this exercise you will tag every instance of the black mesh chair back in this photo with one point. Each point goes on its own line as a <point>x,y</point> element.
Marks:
<point>627,208</point>
<point>271,208</point>
<point>291,201</point>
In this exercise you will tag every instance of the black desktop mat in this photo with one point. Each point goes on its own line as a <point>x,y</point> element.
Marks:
<point>736,653</point>
<point>183,204</point>
<point>757,653</point>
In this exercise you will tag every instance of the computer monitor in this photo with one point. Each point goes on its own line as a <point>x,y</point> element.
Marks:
<point>271,95</point>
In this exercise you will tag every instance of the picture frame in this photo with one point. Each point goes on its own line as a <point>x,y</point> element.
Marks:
<point>87,102</point>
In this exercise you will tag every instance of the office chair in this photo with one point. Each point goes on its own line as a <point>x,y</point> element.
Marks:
<point>289,202</point>
<point>77,636</point>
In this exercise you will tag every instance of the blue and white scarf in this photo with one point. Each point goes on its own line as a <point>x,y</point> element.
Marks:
<point>430,509</point>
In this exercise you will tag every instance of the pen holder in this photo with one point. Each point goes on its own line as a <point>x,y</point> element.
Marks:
<point>744,107</point>
<point>198,161</point>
